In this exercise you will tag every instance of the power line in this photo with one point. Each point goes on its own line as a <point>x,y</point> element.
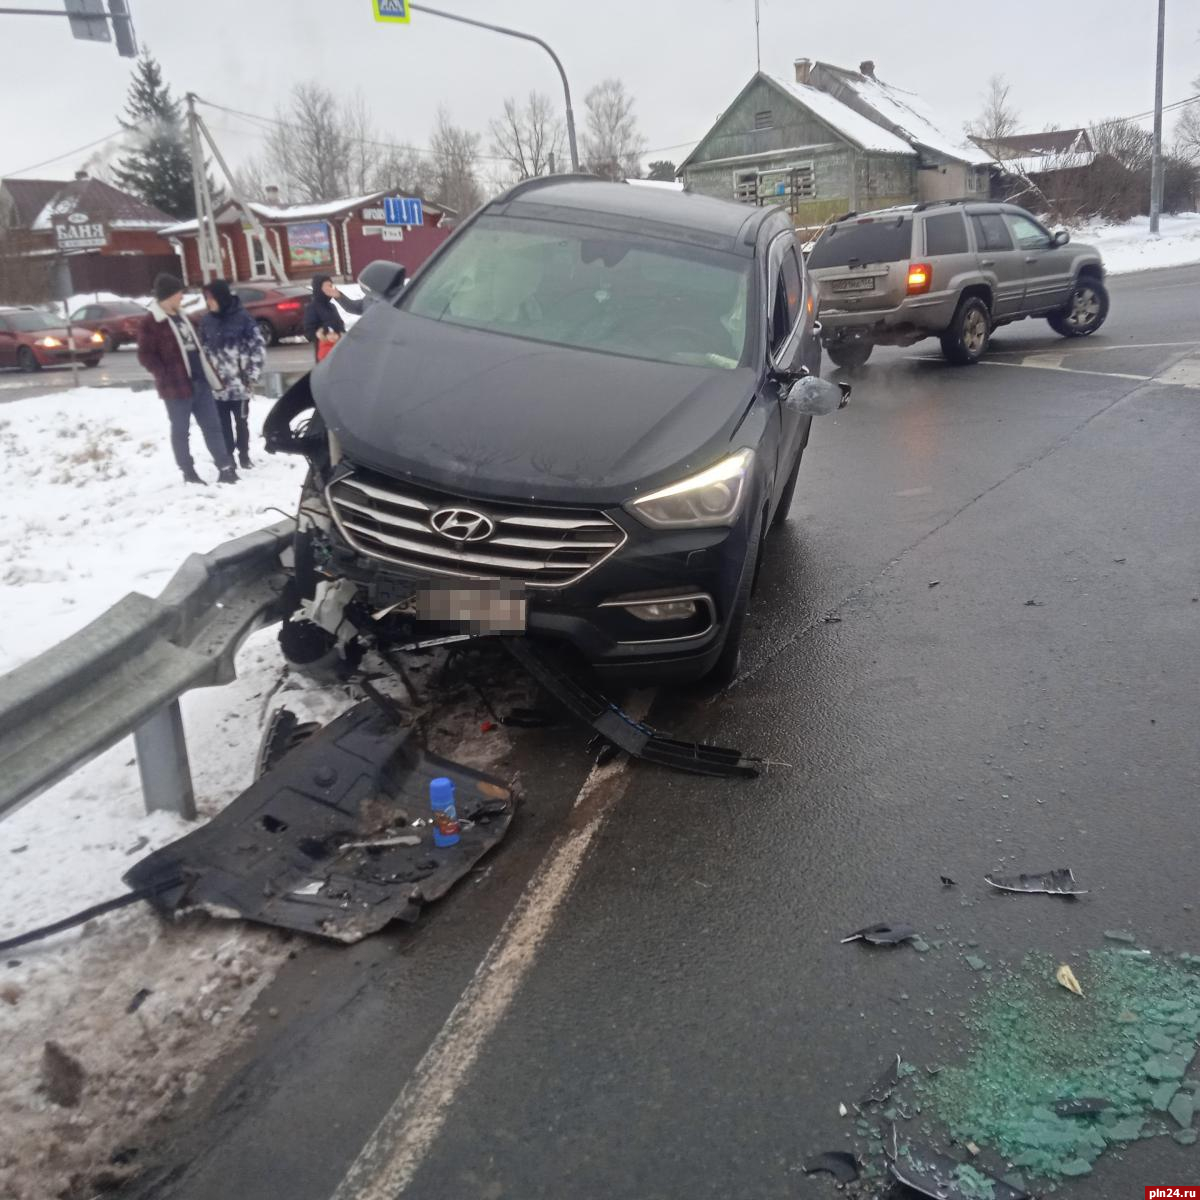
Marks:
<point>67,154</point>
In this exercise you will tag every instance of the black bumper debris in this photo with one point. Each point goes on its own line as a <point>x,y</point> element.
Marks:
<point>1059,882</point>
<point>289,851</point>
<point>943,1178</point>
<point>620,729</point>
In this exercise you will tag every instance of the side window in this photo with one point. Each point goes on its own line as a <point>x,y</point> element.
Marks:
<point>788,300</point>
<point>81,314</point>
<point>991,233</point>
<point>945,234</point>
<point>250,295</point>
<point>1029,234</point>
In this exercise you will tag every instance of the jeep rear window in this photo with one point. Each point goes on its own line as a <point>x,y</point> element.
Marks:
<point>850,243</point>
<point>591,289</point>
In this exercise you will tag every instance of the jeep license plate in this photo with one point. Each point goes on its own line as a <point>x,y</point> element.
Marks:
<point>483,610</point>
<point>864,283</point>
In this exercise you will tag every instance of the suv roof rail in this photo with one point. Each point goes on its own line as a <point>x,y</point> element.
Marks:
<point>540,181</point>
<point>952,200</point>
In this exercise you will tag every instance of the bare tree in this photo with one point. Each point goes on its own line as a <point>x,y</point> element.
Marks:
<point>404,170</point>
<point>997,120</point>
<point>310,150</point>
<point>455,165</point>
<point>1123,140</point>
<point>1187,129</point>
<point>363,151</point>
<point>612,144</point>
<point>528,139</point>
<point>252,177</point>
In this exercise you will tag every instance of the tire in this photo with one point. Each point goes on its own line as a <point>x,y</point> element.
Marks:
<point>789,490</point>
<point>269,336</point>
<point>849,354</point>
<point>1085,311</point>
<point>966,341</point>
<point>92,362</point>
<point>27,360</point>
<point>724,670</point>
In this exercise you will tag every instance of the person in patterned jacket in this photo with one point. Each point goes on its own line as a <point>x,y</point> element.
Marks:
<point>234,346</point>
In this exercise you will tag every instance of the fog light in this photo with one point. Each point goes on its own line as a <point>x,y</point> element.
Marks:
<point>663,610</point>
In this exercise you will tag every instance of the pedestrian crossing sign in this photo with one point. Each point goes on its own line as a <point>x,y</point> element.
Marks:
<point>391,10</point>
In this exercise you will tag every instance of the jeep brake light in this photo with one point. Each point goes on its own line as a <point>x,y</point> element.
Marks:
<point>920,276</point>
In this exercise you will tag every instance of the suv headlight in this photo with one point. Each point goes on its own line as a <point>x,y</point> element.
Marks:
<point>713,497</point>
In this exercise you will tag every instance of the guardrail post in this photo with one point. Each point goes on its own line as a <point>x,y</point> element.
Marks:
<point>162,760</point>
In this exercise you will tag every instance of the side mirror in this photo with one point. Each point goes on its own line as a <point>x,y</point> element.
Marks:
<point>1060,237</point>
<point>382,278</point>
<point>815,397</point>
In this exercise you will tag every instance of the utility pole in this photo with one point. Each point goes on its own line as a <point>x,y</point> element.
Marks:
<point>1156,163</point>
<point>758,45</point>
<point>247,212</point>
<point>528,37</point>
<point>208,247</point>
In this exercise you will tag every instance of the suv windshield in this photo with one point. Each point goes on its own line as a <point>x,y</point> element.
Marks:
<point>852,243</point>
<point>591,289</point>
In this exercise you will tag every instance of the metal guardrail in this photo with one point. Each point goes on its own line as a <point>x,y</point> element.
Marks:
<point>124,673</point>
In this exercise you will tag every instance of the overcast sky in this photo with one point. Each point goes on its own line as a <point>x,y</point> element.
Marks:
<point>683,60</point>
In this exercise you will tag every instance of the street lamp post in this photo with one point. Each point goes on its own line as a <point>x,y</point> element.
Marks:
<point>528,37</point>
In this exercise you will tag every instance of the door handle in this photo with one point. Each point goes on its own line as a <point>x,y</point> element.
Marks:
<point>987,262</point>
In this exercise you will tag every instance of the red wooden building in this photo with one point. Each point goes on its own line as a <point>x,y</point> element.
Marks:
<point>338,237</point>
<point>108,239</point>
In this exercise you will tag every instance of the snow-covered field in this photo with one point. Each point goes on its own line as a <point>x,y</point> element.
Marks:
<point>1129,246</point>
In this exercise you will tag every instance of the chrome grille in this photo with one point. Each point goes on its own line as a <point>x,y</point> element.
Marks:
<point>536,545</point>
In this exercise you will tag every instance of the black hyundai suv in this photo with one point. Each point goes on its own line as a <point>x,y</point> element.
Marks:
<point>578,421</point>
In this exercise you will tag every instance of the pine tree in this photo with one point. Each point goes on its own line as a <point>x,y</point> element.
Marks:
<point>159,169</point>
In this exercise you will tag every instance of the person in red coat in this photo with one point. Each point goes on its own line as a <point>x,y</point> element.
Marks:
<point>170,350</point>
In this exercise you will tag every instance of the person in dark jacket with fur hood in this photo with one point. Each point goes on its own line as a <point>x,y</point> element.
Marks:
<point>234,345</point>
<point>322,321</point>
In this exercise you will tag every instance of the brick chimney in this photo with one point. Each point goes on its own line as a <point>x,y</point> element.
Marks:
<point>867,68</point>
<point>82,174</point>
<point>803,67</point>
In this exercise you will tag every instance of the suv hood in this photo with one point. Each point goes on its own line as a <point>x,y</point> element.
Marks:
<point>499,417</point>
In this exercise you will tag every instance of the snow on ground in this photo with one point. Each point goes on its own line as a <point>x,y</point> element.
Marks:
<point>1129,246</point>
<point>95,507</point>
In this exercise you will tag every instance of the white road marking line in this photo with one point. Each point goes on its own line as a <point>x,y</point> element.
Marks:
<point>1036,365</point>
<point>386,1165</point>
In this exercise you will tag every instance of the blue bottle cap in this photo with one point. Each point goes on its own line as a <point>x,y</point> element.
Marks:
<point>441,792</point>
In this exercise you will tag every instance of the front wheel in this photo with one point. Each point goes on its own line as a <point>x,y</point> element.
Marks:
<point>966,341</point>
<point>269,336</point>
<point>724,670</point>
<point>849,354</point>
<point>91,362</point>
<point>27,360</point>
<point>1084,312</point>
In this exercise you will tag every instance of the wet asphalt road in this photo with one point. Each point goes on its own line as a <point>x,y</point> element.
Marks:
<point>690,1021</point>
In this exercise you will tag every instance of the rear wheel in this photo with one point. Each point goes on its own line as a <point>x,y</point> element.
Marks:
<point>27,360</point>
<point>269,336</point>
<point>724,670</point>
<point>966,341</point>
<point>849,354</point>
<point>1084,312</point>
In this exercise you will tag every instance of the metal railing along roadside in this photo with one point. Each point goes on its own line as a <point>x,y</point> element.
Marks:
<point>124,673</point>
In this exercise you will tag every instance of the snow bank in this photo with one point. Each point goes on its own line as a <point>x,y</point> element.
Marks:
<point>1129,246</point>
<point>95,507</point>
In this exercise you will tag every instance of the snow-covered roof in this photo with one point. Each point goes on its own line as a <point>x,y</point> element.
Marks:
<point>1035,164</point>
<point>103,203</point>
<point>918,124</point>
<point>290,212</point>
<point>858,129</point>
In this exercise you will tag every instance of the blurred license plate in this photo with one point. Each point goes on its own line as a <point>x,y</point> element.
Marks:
<point>485,610</point>
<point>864,284</point>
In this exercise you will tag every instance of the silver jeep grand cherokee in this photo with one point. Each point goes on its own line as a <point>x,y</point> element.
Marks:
<point>954,270</point>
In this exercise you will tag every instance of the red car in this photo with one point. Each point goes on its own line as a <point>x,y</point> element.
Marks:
<point>33,340</point>
<point>117,320</point>
<point>278,309</point>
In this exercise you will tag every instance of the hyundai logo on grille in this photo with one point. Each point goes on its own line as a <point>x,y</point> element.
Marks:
<point>462,525</point>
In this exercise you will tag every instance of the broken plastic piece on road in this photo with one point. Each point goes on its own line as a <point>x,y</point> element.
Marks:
<point>1066,978</point>
<point>617,727</point>
<point>883,934</point>
<point>841,1164</point>
<point>947,882</point>
<point>487,726</point>
<point>943,1178</point>
<point>843,1111</point>
<point>139,998</point>
<point>1035,604</point>
<point>1082,1106</point>
<point>1059,882</point>
<point>883,1087</point>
